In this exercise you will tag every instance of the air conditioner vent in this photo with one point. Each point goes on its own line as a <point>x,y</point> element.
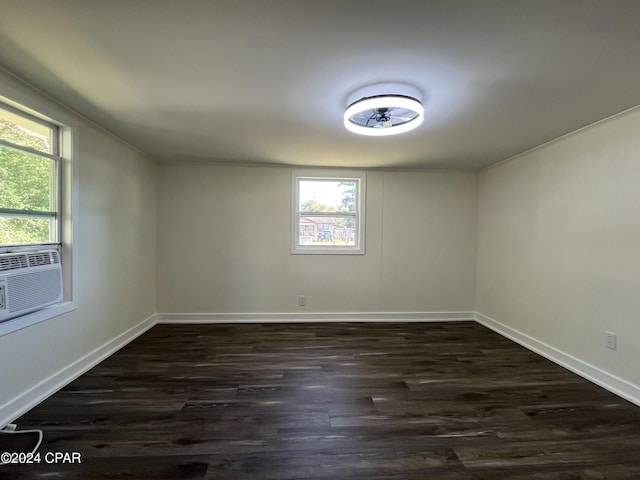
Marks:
<point>13,262</point>
<point>42,258</point>
<point>17,261</point>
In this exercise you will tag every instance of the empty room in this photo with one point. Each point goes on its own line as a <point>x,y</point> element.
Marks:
<point>296,239</point>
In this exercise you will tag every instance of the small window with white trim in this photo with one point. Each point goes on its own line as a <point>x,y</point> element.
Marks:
<point>328,212</point>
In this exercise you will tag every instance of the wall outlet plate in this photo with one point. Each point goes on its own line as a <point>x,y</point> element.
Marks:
<point>611,341</point>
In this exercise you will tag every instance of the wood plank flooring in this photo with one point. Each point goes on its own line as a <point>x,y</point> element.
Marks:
<point>442,401</point>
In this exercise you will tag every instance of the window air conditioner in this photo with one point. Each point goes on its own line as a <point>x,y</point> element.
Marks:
<point>29,281</point>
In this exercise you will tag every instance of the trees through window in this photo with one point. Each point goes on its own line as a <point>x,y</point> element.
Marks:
<point>328,213</point>
<point>29,173</point>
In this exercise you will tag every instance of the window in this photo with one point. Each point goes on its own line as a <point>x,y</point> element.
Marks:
<point>29,178</point>
<point>38,188</point>
<point>328,212</point>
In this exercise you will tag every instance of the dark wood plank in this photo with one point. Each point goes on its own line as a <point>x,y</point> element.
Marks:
<point>333,401</point>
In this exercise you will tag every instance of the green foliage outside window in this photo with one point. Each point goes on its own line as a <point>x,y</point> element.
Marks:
<point>26,184</point>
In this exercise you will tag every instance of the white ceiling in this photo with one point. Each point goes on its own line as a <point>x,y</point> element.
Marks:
<point>268,80</point>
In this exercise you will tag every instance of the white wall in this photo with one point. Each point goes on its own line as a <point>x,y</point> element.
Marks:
<point>224,244</point>
<point>559,246</point>
<point>114,256</point>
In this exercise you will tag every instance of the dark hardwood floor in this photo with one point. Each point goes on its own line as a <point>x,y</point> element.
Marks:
<point>333,401</point>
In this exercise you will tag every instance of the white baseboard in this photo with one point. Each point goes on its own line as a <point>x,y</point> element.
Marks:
<point>296,317</point>
<point>616,385</point>
<point>29,399</point>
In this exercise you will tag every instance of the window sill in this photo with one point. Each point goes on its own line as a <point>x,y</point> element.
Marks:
<point>24,321</point>
<point>327,251</point>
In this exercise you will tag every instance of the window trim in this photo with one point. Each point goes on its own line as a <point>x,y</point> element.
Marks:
<point>56,175</point>
<point>338,175</point>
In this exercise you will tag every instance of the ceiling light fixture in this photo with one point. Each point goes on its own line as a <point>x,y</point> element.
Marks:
<point>384,114</point>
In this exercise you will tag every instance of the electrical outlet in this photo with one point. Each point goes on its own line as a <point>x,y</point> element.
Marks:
<point>611,341</point>
<point>302,301</point>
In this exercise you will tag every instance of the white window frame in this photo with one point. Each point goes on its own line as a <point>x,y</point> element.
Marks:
<point>330,175</point>
<point>21,98</point>
<point>54,155</point>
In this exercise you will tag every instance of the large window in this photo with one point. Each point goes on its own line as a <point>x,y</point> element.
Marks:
<point>37,192</point>
<point>328,212</point>
<point>29,179</point>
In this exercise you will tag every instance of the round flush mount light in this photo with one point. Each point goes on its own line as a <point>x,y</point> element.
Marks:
<point>384,114</point>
